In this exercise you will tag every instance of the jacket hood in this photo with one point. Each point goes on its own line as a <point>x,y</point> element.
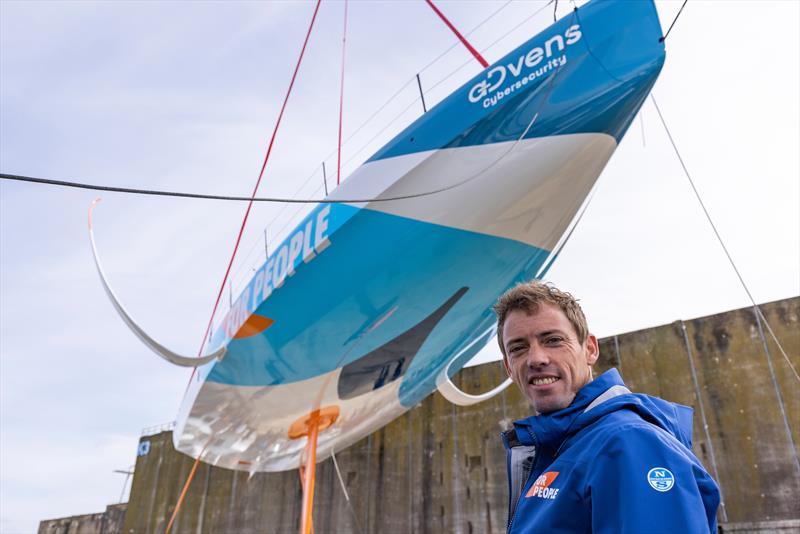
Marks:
<point>605,394</point>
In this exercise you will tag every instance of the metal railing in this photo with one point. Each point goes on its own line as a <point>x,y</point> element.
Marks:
<point>157,429</point>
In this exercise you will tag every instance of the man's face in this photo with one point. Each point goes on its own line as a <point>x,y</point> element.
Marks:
<point>544,357</point>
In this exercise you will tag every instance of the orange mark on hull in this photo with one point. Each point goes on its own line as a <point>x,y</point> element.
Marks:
<point>255,324</point>
<point>324,417</point>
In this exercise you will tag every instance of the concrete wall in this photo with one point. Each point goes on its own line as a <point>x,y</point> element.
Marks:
<point>441,468</point>
<point>743,387</point>
<point>108,522</point>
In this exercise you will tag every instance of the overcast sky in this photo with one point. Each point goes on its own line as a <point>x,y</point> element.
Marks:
<point>184,95</point>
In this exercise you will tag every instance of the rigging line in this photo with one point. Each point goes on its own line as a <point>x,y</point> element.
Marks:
<point>700,404</point>
<point>358,129</point>
<point>162,193</point>
<point>258,182</point>
<point>341,101</point>
<point>463,40</point>
<point>296,193</point>
<point>673,22</point>
<point>177,194</point>
<point>289,220</point>
<point>344,490</point>
<point>380,132</point>
<point>490,45</point>
<point>719,239</point>
<point>774,338</point>
<point>423,69</point>
<point>428,65</point>
<point>475,28</point>
<point>270,231</point>
<point>383,106</point>
<point>778,395</point>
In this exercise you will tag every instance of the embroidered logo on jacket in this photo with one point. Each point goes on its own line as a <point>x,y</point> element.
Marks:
<point>541,488</point>
<point>660,479</point>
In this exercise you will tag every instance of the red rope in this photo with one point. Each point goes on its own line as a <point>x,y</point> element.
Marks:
<point>474,52</point>
<point>341,100</point>
<point>258,182</point>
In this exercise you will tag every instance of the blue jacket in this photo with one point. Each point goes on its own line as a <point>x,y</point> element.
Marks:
<point>611,462</point>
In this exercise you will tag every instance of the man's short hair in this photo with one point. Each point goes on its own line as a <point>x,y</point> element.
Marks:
<point>528,296</point>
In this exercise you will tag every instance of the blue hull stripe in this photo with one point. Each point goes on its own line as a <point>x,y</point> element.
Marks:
<point>377,264</point>
<point>586,96</point>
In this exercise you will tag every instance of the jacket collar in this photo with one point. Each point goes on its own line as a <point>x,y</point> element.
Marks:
<point>548,431</point>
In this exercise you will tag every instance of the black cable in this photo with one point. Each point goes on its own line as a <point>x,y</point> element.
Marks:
<point>153,192</point>
<point>131,190</point>
<point>673,22</point>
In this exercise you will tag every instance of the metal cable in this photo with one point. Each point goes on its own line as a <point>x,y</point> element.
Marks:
<point>673,22</point>
<point>344,490</point>
<point>719,238</point>
<point>701,405</point>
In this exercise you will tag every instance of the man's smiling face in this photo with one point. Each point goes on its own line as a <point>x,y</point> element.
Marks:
<point>545,358</point>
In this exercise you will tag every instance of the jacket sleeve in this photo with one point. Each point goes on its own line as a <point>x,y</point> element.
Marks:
<point>643,480</point>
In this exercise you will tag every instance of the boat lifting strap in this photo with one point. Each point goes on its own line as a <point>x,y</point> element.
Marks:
<point>463,40</point>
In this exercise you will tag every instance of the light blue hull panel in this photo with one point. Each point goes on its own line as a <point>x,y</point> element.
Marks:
<point>377,263</point>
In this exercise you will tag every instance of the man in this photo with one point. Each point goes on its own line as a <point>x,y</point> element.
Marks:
<point>594,457</point>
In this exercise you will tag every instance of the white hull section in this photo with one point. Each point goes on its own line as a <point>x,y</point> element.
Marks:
<point>246,427</point>
<point>527,191</point>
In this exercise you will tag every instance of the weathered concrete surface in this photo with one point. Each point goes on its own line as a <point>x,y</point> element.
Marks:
<point>754,440</point>
<point>441,468</point>
<point>789,526</point>
<point>108,522</point>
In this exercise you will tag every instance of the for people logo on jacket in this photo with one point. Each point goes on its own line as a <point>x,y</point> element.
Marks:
<point>541,488</point>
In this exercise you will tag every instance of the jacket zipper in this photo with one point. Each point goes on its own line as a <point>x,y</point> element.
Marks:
<point>513,515</point>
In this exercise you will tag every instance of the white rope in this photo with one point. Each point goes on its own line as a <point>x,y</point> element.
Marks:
<point>344,490</point>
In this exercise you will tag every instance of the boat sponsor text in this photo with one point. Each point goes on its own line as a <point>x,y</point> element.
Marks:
<point>503,79</point>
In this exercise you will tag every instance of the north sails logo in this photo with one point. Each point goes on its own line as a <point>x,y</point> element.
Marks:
<point>489,89</point>
<point>660,479</point>
<point>541,488</point>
